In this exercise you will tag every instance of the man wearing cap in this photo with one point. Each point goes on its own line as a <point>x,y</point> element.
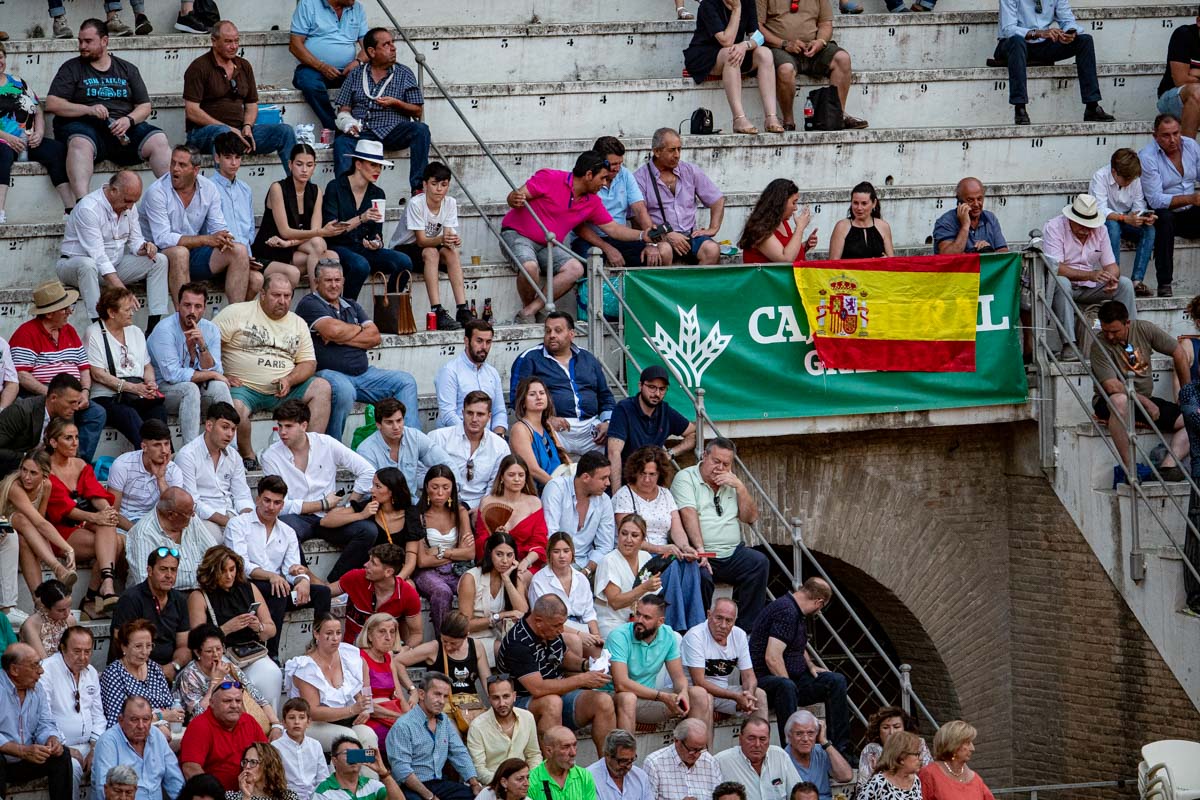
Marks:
<point>381,100</point>
<point>46,346</point>
<point>646,419</point>
<point>1170,164</point>
<point>1087,269</point>
<point>562,201</point>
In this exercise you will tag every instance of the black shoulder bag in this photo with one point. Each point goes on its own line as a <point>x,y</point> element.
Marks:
<point>135,401</point>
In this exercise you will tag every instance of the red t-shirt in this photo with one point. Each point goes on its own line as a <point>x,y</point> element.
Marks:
<point>216,750</point>
<point>34,351</point>
<point>404,602</point>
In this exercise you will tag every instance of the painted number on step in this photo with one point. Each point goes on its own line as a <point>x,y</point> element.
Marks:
<point>778,152</point>
<point>512,347</point>
<point>1101,140</point>
<point>257,172</point>
<point>33,58</point>
<point>1166,23</point>
<point>1063,83</point>
<point>924,88</point>
<point>471,284</point>
<point>1000,86</point>
<point>891,31</point>
<point>153,113</point>
<point>900,148</point>
<point>435,45</point>
<point>171,54</point>
<point>604,99</point>
<point>373,355</point>
<point>1036,142</point>
<point>940,202</point>
<point>11,311</point>
<point>570,42</point>
<point>1097,24</point>
<point>517,160</point>
<point>1002,200</point>
<point>504,43</point>
<point>1119,81</point>
<point>15,245</point>
<point>446,350</point>
<point>670,97</point>
<point>966,145</point>
<point>628,40</point>
<point>816,208</point>
<point>964,29</point>
<point>541,99</point>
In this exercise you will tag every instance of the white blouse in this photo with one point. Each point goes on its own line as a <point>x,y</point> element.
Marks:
<point>580,608</point>
<point>130,359</point>
<point>656,512</point>
<point>486,603</point>
<point>307,670</point>
<point>614,569</point>
<point>435,538</point>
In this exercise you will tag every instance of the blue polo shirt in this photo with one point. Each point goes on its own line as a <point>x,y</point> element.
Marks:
<point>621,193</point>
<point>988,230</point>
<point>644,660</point>
<point>342,358</point>
<point>637,429</point>
<point>818,770</point>
<point>329,38</point>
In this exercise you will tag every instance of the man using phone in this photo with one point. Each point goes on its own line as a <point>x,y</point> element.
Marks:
<point>968,227</point>
<point>348,779</point>
<point>1118,191</point>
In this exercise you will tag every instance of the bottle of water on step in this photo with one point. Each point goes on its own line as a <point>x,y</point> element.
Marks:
<point>272,440</point>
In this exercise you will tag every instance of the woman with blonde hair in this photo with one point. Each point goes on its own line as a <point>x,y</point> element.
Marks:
<point>895,776</point>
<point>262,776</point>
<point>949,777</point>
<point>23,497</point>
<point>393,693</point>
<point>332,678</point>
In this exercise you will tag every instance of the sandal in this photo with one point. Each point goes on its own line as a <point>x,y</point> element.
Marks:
<point>107,599</point>
<point>750,131</point>
<point>683,13</point>
<point>90,607</point>
<point>68,576</point>
<point>789,126</point>
<point>772,127</point>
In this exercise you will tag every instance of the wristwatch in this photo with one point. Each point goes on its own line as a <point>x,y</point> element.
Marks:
<point>495,619</point>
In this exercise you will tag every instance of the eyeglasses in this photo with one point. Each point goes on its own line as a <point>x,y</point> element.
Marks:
<point>230,685</point>
<point>163,552</point>
<point>126,359</point>
<point>717,505</point>
<point>250,762</point>
<point>693,750</point>
<point>625,762</point>
<point>1037,6</point>
<point>77,700</point>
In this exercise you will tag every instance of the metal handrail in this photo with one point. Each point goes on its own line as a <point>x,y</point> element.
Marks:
<point>1045,311</point>
<point>552,241</point>
<point>1033,791</point>
<point>597,324</point>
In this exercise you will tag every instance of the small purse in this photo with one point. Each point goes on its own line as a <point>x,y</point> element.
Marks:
<point>393,310</point>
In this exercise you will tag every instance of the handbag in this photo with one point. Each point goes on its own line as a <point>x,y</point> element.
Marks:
<point>462,707</point>
<point>393,310</point>
<point>135,401</point>
<point>242,655</point>
<point>702,122</point>
<point>827,110</point>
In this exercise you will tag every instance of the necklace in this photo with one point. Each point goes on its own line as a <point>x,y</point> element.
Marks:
<point>959,775</point>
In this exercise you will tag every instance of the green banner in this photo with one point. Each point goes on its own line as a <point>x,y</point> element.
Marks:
<point>741,334</point>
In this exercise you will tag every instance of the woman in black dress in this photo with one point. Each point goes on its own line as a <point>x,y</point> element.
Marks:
<point>727,43</point>
<point>863,233</point>
<point>291,235</point>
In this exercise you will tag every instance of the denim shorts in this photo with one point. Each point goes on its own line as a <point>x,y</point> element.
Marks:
<point>106,145</point>
<point>568,706</point>
<point>198,263</point>
<point>1170,103</point>
<point>527,250</point>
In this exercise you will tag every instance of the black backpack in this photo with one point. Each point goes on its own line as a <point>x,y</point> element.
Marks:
<point>827,110</point>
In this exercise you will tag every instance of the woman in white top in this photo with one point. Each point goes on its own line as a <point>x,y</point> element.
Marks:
<point>120,366</point>
<point>616,575</point>
<point>332,677</point>
<point>448,547</point>
<point>494,592</point>
<point>582,633</point>
<point>646,478</point>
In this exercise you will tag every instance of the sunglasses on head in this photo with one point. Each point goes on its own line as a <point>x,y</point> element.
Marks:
<point>223,685</point>
<point>163,552</point>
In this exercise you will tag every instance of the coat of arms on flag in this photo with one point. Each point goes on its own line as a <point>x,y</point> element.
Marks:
<point>843,306</point>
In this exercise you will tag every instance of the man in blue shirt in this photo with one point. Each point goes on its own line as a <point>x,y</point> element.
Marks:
<point>968,228</point>
<point>29,739</point>
<point>1170,166</point>
<point>134,741</point>
<point>646,420</point>
<point>624,201</point>
<point>326,38</point>
<point>185,349</point>
<point>639,651</point>
<point>1026,35</point>
<point>423,740</point>
<point>814,756</point>
<point>595,537</point>
<point>342,333</point>
<point>397,444</point>
<point>578,387</point>
<point>469,372</point>
<point>615,775</point>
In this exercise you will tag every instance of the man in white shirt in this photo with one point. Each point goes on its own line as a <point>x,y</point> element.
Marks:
<point>764,769</point>
<point>1118,191</point>
<point>213,473</point>
<point>474,451</point>
<point>272,554</point>
<point>103,241</point>
<point>308,464</point>
<point>138,478</point>
<point>565,499</point>
<point>712,651</point>
<point>683,769</point>
<point>73,686</point>
<point>469,372</point>
<point>616,776</point>
<point>172,524</point>
<point>181,214</point>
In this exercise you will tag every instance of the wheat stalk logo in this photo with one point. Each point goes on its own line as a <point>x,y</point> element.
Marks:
<point>690,356</point>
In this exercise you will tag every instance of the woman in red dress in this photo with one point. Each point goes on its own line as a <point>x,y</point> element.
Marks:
<point>769,236</point>
<point>81,510</point>
<point>513,490</point>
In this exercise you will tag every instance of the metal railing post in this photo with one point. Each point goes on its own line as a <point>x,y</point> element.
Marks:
<point>700,417</point>
<point>1137,559</point>
<point>906,688</point>
<point>797,554</point>
<point>595,310</point>
<point>551,243</point>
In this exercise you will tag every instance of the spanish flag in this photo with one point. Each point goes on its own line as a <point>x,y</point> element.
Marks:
<point>911,314</point>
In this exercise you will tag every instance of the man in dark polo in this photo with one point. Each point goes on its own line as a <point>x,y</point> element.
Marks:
<point>219,95</point>
<point>156,599</point>
<point>646,419</point>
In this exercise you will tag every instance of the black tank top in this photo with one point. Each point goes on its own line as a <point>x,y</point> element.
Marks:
<point>295,219</point>
<point>228,604</point>
<point>464,673</point>
<point>863,242</point>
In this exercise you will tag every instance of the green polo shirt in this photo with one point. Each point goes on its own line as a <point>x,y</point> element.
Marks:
<point>722,533</point>
<point>579,785</point>
<point>368,789</point>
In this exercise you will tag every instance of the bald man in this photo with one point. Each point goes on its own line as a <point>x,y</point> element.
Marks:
<point>29,738</point>
<point>559,777</point>
<point>967,228</point>
<point>174,526</point>
<point>103,242</point>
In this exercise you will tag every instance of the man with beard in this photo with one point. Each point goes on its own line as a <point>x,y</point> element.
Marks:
<point>502,732</point>
<point>185,350</point>
<point>100,107</point>
<point>647,420</point>
<point>469,372</point>
<point>639,650</point>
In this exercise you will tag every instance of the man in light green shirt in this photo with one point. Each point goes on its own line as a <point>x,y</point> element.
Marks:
<point>713,502</point>
<point>347,781</point>
<point>558,777</point>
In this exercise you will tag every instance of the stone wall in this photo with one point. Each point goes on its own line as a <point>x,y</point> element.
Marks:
<point>984,584</point>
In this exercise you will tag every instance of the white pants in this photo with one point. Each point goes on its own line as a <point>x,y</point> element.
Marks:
<point>215,531</point>
<point>188,400</point>
<point>81,271</point>
<point>578,440</point>
<point>268,679</point>
<point>76,767</point>
<point>9,547</point>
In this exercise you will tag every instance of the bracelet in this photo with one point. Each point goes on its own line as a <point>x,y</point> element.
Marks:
<point>275,726</point>
<point>120,386</point>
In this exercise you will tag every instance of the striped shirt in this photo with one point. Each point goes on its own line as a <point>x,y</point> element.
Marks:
<point>34,351</point>
<point>671,779</point>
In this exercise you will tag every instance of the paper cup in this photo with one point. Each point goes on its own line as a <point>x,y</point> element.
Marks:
<point>380,206</point>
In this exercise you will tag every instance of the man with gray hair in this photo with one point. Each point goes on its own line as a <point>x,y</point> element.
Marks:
<point>135,741</point>
<point>674,189</point>
<point>615,775</point>
<point>713,651</point>
<point>173,525</point>
<point>713,502</point>
<point>342,333</point>
<point>181,214</point>
<point>813,755</point>
<point>103,241</point>
<point>121,783</point>
<point>762,768</point>
<point>684,769</point>
<point>29,737</point>
<point>968,227</point>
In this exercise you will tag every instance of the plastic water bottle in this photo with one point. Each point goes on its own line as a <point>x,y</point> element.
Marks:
<point>272,440</point>
<point>809,111</point>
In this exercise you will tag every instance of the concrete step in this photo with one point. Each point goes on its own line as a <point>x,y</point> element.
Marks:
<point>602,51</point>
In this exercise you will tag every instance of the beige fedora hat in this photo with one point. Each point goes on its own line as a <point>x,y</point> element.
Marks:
<point>1085,210</point>
<point>52,296</point>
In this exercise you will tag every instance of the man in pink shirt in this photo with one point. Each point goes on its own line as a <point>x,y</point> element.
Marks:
<point>562,201</point>
<point>1087,270</point>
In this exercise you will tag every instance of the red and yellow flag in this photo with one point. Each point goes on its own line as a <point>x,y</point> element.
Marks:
<point>911,314</point>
